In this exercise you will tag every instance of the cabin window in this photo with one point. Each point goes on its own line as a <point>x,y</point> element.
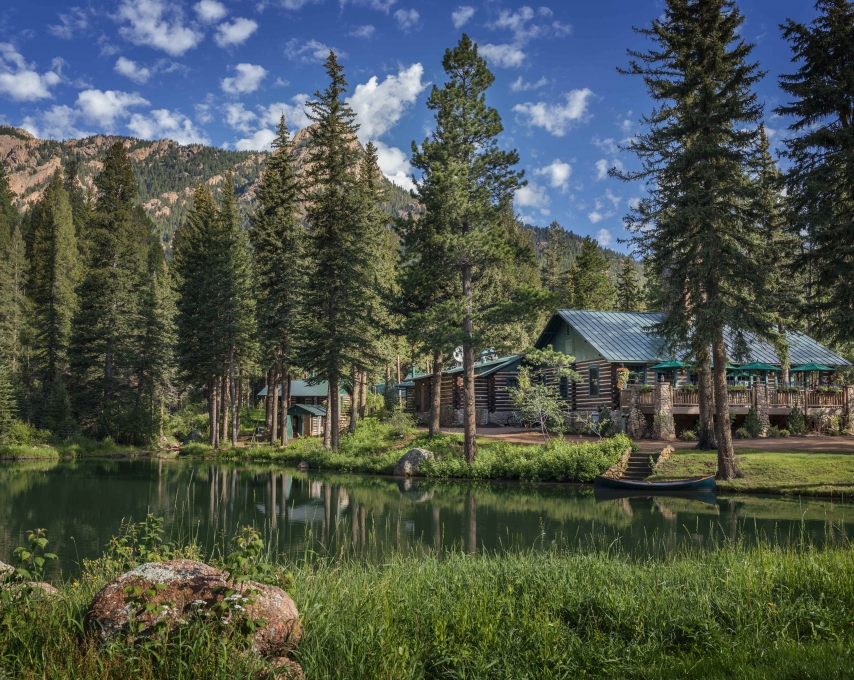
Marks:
<point>594,381</point>
<point>512,383</point>
<point>564,387</point>
<point>637,374</point>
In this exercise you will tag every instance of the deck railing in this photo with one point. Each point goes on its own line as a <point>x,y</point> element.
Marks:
<point>683,397</point>
<point>745,398</point>
<point>786,399</point>
<point>825,399</point>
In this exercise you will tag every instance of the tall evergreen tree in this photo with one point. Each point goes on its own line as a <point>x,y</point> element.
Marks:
<point>821,167</point>
<point>553,270</point>
<point>591,287</point>
<point>630,294</point>
<point>339,287</point>
<point>80,207</point>
<point>9,216</point>
<point>698,227</point>
<point>13,278</point>
<point>278,239</point>
<point>470,181</point>
<point>8,402</point>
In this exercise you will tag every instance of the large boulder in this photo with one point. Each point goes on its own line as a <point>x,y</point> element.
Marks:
<point>192,586</point>
<point>410,462</point>
<point>193,436</point>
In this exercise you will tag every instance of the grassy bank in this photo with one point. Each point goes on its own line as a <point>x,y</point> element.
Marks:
<point>805,474</point>
<point>376,448</point>
<point>732,612</point>
<point>72,449</point>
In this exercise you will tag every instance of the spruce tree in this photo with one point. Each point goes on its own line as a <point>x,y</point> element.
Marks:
<point>76,197</point>
<point>698,227</point>
<point>13,277</point>
<point>630,294</point>
<point>339,288</point>
<point>553,270</point>
<point>470,181</point>
<point>278,240</point>
<point>8,403</point>
<point>820,172</point>
<point>9,216</point>
<point>591,287</point>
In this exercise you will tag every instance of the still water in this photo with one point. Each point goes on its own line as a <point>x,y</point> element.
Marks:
<point>82,504</point>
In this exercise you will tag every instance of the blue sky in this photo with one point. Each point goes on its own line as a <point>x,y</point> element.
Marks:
<point>221,72</point>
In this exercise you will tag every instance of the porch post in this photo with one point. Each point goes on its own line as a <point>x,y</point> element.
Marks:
<point>664,427</point>
<point>761,396</point>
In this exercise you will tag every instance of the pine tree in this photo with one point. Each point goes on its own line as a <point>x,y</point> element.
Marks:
<point>80,208</point>
<point>698,227</point>
<point>821,167</point>
<point>591,288</point>
<point>553,270</point>
<point>339,289</point>
<point>9,217</point>
<point>630,294</point>
<point>13,277</point>
<point>468,180</point>
<point>8,403</point>
<point>278,239</point>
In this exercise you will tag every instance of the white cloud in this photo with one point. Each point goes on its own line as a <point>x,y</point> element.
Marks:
<point>557,118</point>
<point>309,52</point>
<point>210,11</point>
<point>248,79</point>
<point>152,23</point>
<point>297,4</point>
<point>532,195</point>
<point>615,200</point>
<point>607,145</point>
<point>506,55</point>
<point>520,23</point>
<point>76,20</point>
<point>295,114</point>
<point>366,31</point>
<point>105,108</point>
<point>604,237</point>
<point>595,216</point>
<point>235,33</point>
<point>601,169</point>
<point>58,122</point>
<point>165,124</point>
<point>634,203</point>
<point>130,69</point>
<point>462,15</point>
<point>558,174</point>
<point>238,117</point>
<point>20,81</point>
<point>379,106</point>
<point>394,165</point>
<point>519,85</point>
<point>407,19</point>
<point>381,5</point>
<point>260,141</point>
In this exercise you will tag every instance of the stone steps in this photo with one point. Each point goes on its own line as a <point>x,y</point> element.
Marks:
<point>638,466</point>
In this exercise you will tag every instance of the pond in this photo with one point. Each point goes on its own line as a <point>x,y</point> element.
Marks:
<point>83,503</point>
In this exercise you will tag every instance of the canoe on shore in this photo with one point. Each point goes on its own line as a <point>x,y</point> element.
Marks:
<point>694,484</point>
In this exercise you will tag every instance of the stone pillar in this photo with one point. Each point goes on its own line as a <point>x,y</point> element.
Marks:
<point>760,392</point>
<point>664,428</point>
<point>848,412</point>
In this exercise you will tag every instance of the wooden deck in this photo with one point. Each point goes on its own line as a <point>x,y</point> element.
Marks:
<point>780,402</point>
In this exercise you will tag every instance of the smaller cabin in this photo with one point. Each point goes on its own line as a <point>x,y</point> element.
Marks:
<point>307,407</point>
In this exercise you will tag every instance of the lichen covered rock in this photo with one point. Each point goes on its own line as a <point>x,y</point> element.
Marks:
<point>409,463</point>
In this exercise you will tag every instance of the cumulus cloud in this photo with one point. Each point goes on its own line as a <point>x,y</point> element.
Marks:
<point>520,85</point>
<point>506,55</point>
<point>364,32</point>
<point>296,4</point>
<point>556,118</point>
<point>237,117</point>
<point>247,79</point>
<point>461,15</point>
<point>153,23</point>
<point>20,81</point>
<point>602,167</point>
<point>533,195</point>
<point>381,5</point>
<point>265,122</point>
<point>608,145</point>
<point>105,108</point>
<point>294,113</point>
<point>165,124</point>
<point>595,217</point>
<point>262,140</point>
<point>407,19</point>
<point>379,106</point>
<point>58,122</point>
<point>604,237</point>
<point>394,165</point>
<point>75,21</point>
<point>130,69</point>
<point>558,174</point>
<point>235,33</point>
<point>210,11</point>
<point>310,51</point>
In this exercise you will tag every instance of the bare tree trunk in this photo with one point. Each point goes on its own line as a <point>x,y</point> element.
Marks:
<point>286,403</point>
<point>235,400</point>
<point>354,413</point>
<point>727,468</point>
<point>436,396</point>
<point>212,419</point>
<point>363,394</point>
<point>327,422</point>
<point>224,409</point>
<point>399,397</point>
<point>469,412</point>
<point>705,395</point>
<point>335,411</point>
<point>274,406</point>
<point>268,400</point>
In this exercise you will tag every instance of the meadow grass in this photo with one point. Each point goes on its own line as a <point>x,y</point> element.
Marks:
<point>733,611</point>
<point>77,448</point>
<point>801,474</point>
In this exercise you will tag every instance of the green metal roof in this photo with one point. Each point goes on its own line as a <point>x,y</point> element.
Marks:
<point>306,410</point>
<point>487,368</point>
<point>619,337</point>
<point>301,388</point>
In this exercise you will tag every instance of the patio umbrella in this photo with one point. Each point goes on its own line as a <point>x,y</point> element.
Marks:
<point>810,368</point>
<point>759,366</point>
<point>669,364</point>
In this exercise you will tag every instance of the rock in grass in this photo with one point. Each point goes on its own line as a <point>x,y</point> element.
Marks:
<point>193,436</point>
<point>45,588</point>
<point>285,669</point>
<point>410,461</point>
<point>192,587</point>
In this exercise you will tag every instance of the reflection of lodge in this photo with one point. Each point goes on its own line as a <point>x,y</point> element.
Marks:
<point>622,367</point>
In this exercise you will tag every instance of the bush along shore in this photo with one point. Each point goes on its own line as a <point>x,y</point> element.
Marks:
<point>727,611</point>
<point>376,448</point>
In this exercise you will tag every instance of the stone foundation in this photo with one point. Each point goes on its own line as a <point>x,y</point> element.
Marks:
<point>663,426</point>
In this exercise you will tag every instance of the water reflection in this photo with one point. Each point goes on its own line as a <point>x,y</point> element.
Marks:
<point>83,503</point>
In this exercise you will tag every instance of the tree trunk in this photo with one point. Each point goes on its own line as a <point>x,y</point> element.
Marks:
<point>399,397</point>
<point>472,542</point>
<point>469,413</point>
<point>268,401</point>
<point>705,395</point>
<point>436,396</point>
<point>286,403</point>
<point>235,400</point>
<point>363,394</point>
<point>223,396</point>
<point>727,468</point>
<point>211,413</point>
<point>274,406</point>
<point>335,411</point>
<point>354,412</point>
<point>327,422</point>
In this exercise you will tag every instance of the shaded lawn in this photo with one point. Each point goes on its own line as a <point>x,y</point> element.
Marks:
<point>806,474</point>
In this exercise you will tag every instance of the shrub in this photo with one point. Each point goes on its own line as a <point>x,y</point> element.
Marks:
<point>742,433</point>
<point>752,424</point>
<point>645,388</point>
<point>796,424</point>
<point>784,432</point>
<point>401,423</point>
<point>774,432</point>
<point>737,388</point>
<point>606,428</point>
<point>26,434</point>
<point>688,436</point>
